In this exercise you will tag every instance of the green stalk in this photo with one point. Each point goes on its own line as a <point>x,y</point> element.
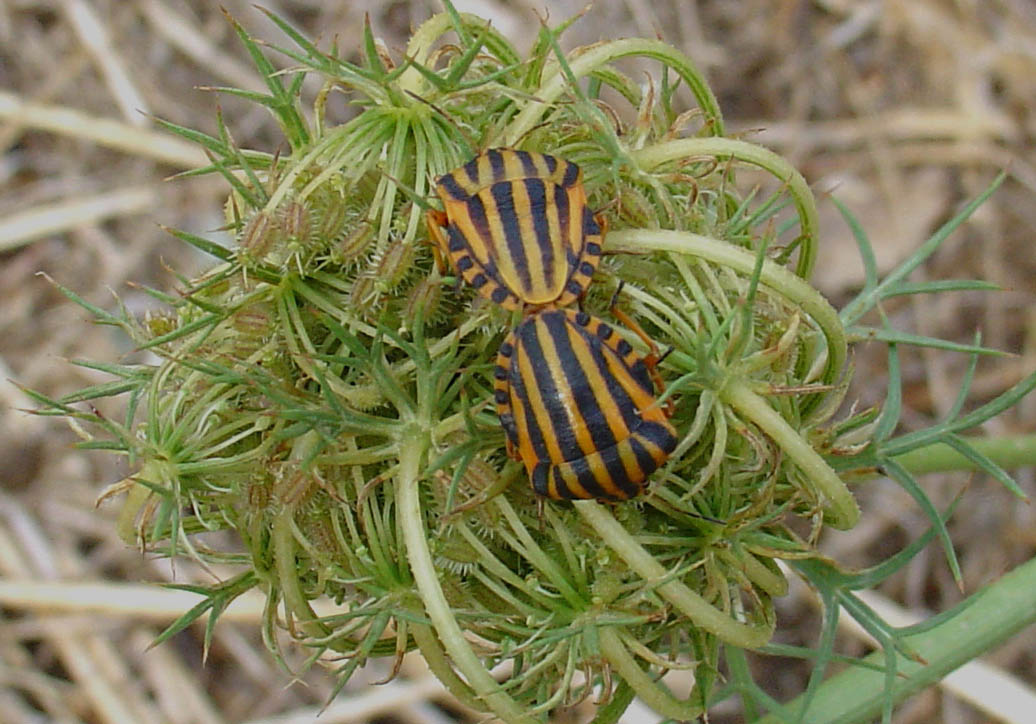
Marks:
<point>791,287</point>
<point>439,665</point>
<point>981,623</point>
<point>295,601</point>
<point>843,512</point>
<point>652,692</point>
<point>1007,452</point>
<point>689,603</point>
<point>420,558</point>
<point>652,156</point>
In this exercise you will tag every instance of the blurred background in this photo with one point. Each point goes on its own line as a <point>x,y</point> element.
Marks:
<point>902,109</point>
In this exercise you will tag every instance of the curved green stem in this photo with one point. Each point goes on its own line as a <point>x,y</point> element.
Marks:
<point>439,665</point>
<point>771,582</point>
<point>597,56</point>
<point>421,43</point>
<point>295,600</point>
<point>764,158</point>
<point>981,623</point>
<point>653,693</point>
<point>843,512</point>
<point>446,627</point>
<point>774,276</point>
<point>431,31</point>
<point>689,603</point>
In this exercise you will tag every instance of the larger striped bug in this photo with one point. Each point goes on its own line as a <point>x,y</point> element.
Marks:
<point>516,226</point>
<point>578,407</point>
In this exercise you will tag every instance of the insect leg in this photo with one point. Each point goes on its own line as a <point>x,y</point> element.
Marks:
<point>436,221</point>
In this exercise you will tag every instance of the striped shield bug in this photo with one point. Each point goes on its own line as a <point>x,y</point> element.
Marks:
<point>578,407</point>
<point>516,226</point>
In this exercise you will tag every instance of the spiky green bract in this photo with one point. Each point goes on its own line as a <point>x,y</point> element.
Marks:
<point>325,394</point>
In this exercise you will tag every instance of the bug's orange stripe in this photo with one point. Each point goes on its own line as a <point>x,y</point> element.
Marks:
<point>573,235</point>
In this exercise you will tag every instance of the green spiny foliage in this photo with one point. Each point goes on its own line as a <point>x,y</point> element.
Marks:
<point>326,394</point>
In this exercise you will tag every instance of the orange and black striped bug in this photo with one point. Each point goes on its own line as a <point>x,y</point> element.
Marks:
<point>578,407</point>
<point>517,228</point>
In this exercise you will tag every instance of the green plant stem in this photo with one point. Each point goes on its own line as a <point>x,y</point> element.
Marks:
<point>1007,452</point>
<point>771,582</point>
<point>981,623</point>
<point>295,600</point>
<point>652,156</point>
<point>419,556</point>
<point>435,658</point>
<point>692,605</point>
<point>843,512</point>
<point>774,276</point>
<point>652,692</point>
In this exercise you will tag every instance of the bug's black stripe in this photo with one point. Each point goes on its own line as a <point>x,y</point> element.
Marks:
<point>531,427</point>
<point>479,220</point>
<point>496,162</point>
<point>645,459</point>
<point>503,198</point>
<point>537,192</point>
<point>623,402</point>
<point>528,163</point>
<point>637,369</point>
<point>471,170</point>
<point>540,478</point>
<point>618,477</point>
<point>548,387</point>
<point>583,394</point>
<point>561,205</point>
<point>659,435</point>
<point>617,473</point>
<point>510,429</point>
<point>590,227</point>
<point>457,242</point>
<point>585,475</point>
<point>552,163</point>
<point>450,185</point>
<point>639,372</point>
<point>527,343</point>
<point>571,174</point>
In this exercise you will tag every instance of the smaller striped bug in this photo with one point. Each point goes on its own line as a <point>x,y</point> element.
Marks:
<point>516,227</point>
<point>578,407</point>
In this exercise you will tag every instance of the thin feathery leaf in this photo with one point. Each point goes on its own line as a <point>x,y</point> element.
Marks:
<point>868,298</point>
<point>906,481</point>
